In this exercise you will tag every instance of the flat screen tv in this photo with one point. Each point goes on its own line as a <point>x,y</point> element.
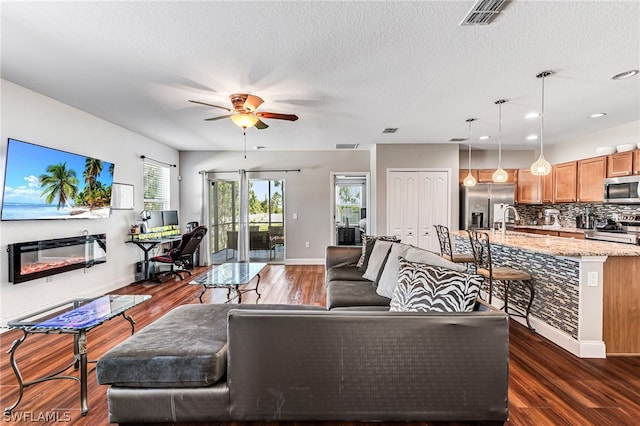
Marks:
<point>46,183</point>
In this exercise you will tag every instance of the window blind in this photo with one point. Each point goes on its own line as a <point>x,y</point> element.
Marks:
<point>156,186</point>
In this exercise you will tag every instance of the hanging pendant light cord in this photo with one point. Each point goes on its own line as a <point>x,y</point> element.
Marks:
<point>500,135</point>
<point>542,119</point>
<point>245,141</point>
<point>469,146</point>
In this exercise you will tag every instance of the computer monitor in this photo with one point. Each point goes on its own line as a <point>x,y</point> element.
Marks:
<point>155,219</point>
<point>170,217</point>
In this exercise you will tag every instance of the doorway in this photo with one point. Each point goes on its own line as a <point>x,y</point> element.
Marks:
<point>350,205</point>
<point>266,220</point>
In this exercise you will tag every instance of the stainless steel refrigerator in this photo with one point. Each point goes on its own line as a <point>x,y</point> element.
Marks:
<point>478,204</point>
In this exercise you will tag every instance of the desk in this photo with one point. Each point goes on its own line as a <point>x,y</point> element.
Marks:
<point>149,244</point>
<point>230,276</point>
<point>75,317</point>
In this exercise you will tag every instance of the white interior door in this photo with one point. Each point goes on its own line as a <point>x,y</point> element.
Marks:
<point>433,207</point>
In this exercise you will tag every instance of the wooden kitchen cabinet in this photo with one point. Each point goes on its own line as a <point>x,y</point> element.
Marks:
<point>565,177</point>
<point>576,235</point>
<point>547,188</point>
<point>486,175</point>
<point>636,162</point>
<point>529,188</point>
<point>591,173</point>
<point>620,164</point>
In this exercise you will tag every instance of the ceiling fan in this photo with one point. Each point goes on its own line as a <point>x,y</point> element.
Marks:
<point>244,112</point>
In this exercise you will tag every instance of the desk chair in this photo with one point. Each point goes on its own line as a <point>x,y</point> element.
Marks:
<point>484,266</point>
<point>445,248</point>
<point>180,256</point>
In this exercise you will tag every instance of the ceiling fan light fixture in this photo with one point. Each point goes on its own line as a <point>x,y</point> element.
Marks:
<point>244,120</point>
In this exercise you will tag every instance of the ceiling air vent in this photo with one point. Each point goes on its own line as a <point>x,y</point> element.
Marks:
<point>457,139</point>
<point>484,11</point>
<point>346,145</point>
<point>390,130</point>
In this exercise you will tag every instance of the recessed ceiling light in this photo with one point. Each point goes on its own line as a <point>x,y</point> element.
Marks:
<point>484,138</point>
<point>598,115</point>
<point>532,137</point>
<point>625,74</point>
<point>532,115</point>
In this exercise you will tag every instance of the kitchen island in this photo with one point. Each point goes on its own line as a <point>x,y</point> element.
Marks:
<point>587,292</point>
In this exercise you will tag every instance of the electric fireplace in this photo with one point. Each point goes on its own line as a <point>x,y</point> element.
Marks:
<point>38,259</point>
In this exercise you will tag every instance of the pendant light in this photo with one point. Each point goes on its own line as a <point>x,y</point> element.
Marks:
<point>469,180</point>
<point>541,166</point>
<point>500,175</point>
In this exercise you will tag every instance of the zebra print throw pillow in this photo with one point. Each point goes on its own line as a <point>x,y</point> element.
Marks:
<point>427,288</point>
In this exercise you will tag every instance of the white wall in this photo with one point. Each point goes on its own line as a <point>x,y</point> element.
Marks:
<point>413,156</point>
<point>306,193</point>
<point>31,117</point>
<point>585,146</point>
<point>488,159</point>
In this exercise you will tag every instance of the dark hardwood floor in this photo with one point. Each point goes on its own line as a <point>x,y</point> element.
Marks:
<point>548,386</point>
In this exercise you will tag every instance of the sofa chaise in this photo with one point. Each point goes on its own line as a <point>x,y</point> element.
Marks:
<point>306,363</point>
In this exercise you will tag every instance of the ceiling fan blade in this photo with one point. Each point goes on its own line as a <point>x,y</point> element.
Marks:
<point>261,125</point>
<point>211,105</point>
<point>289,117</point>
<point>252,102</point>
<point>217,118</point>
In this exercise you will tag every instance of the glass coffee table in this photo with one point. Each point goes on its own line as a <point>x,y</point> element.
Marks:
<point>231,276</point>
<point>74,317</point>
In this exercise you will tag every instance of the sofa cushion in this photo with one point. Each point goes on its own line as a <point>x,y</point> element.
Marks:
<point>419,255</point>
<point>389,277</point>
<point>344,273</point>
<point>377,260</point>
<point>368,241</point>
<point>342,294</point>
<point>186,347</point>
<point>426,288</point>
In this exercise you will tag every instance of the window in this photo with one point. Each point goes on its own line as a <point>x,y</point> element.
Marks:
<point>156,186</point>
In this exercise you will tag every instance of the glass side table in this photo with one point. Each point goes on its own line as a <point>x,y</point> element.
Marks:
<point>230,276</point>
<point>75,317</point>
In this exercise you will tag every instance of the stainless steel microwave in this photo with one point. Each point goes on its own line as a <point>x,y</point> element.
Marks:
<point>622,190</point>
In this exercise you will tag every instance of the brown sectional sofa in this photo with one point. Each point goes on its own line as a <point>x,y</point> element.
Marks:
<point>354,362</point>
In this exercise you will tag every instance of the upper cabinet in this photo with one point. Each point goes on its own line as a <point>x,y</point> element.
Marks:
<point>486,175</point>
<point>565,177</point>
<point>591,173</point>
<point>547,188</point>
<point>620,164</point>
<point>529,188</point>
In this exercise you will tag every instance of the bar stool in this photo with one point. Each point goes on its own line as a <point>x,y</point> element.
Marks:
<point>481,248</point>
<point>445,248</point>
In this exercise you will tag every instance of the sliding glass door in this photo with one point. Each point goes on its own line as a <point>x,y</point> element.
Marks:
<point>266,220</point>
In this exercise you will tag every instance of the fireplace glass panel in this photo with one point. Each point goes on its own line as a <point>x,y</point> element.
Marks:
<point>39,259</point>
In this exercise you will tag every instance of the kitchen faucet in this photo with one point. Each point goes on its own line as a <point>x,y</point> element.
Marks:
<point>504,218</point>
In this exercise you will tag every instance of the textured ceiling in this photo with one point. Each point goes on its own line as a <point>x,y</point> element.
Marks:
<point>347,69</point>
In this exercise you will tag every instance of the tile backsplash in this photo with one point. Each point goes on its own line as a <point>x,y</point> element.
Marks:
<point>569,211</point>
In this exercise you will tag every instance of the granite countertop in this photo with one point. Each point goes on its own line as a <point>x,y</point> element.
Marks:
<point>560,246</point>
<point>551,228</point>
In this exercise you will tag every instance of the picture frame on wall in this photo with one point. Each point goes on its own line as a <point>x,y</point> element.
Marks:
<point>122,196</point>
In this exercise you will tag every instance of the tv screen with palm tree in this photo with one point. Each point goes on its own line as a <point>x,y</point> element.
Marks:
<point>46,183</point>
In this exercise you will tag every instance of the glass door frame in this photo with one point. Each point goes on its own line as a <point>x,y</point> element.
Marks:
<point>367,204</point>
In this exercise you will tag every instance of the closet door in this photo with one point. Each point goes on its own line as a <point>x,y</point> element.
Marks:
<point>402,203</point>
<point>417,200</point>
<point>433,207</point>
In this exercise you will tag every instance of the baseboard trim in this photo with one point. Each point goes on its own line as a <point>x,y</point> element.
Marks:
<point>581,349</point>
<point>301,261</point>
